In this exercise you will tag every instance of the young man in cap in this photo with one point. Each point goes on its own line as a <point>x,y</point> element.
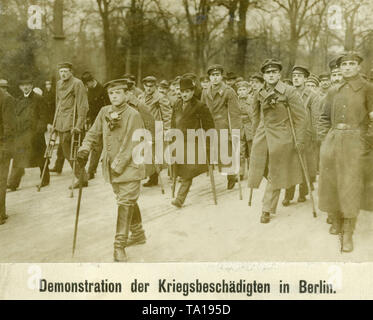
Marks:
<point>346,156</point>
<point>71,99</point>
<point>224,107</point>
<point>189,113</point>
<point>115,124</point>
<point>160,107</point>
<point>97,98</point>
<point>274,153</point>
<point>205,82</point>
<point>32,119</point>
<point>312,82</point>
<point>8,127</point>
<point>335,72</point>
<point>164,87</point>
<point>132,88</point>
<point>246,104</point>
<point>231,79</point>
<point>300,75</point>
<point>324,83</point>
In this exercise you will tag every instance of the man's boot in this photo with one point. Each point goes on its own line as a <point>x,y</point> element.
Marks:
<point>121,237</point>
<point>289,195</point>
<point>137,232</point>
<point>329,219</point>
<point>182,193</point>
<point>153,180</point>
<point>336,219</point>
<point>348,230</point>
<point>265,217</point>
<point>231,181</point>
<point>303,191</point>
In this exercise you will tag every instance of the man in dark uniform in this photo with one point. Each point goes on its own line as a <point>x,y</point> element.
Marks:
<point>32,119</point>
<point>274,152</point>
<point>231,79</point>
<point>71,95</point>
<point>223,104</point>
<point>8,126</point>
<point>346,156</point>
<point>97,98</point>
<point>116,124</point>
<point>189,113</point>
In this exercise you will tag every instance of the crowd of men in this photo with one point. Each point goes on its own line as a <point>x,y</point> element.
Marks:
<point>291,131</point>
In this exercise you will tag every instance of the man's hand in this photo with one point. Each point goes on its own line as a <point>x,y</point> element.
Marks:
<point>75,131</point>
<point>50,128</point>
<point>82,157</point>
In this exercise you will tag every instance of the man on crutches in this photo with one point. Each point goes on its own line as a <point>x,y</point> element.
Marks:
<point>274,153</point>
<point>71,113</point>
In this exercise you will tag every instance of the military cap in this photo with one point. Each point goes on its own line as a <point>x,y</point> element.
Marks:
<point>87,76</point>
<point>333,64</point>
<point>270,63</point>
<point>164,84</point>
<point>231,76</point>
<point>202,79</point>
<point>258,76</point>
<point>313,78</point>
<point>303,69</point>
<point>350,55</point>
<point>190,75</point>
<point>215,67</point>
<point>4,83</point>
<point>149,80</point>
<point>67,65</point>
<point>117,84</point>
<point>324,76</point>
<point>240,84</point>
<point>129,77</point>
<point>186,83</point>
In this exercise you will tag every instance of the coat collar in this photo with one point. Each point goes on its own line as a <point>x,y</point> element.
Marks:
<point>280,87</point>
<point>220,90</point>
<point>355,83</point>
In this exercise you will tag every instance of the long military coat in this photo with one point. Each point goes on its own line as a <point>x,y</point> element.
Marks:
<point>117,164</point>
<point>345,183</point>
<point>192,116</point>
<point>8,123</point>
<point>273,152</point>
<point>32,119</point>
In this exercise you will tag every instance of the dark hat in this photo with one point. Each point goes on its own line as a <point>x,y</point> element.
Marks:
<point>258,76</point>
<point>303,69</point>
<point>149,81</point>
<point>186,83</point>
<point>129,77</point>
<point>324,76</point>
<point>26,79</point>
<point>117,84</point>
<point>240,84</point>
<point>350,55</point>
<point>215,67</point>
<point>65,65</point>
<point>164,84</point>
<point>86,77</point>
<point>190,75</point>
<point>313,78</point>
<point>4,83</point>
<point>231,76</point>
<point>333,64</point>
<point>270,63</point>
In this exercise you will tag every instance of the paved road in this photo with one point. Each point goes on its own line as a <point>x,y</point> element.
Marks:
<point>40,226</point>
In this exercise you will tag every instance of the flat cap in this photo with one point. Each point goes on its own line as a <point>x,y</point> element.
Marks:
<point>313,78</point>
<point>258,76</point>
<point>231,76</point>
<point>164,84</point>
<point>65,64</point>
<point>3,83</point>
<point>26,79</point>
<point>302,69</point>
<point>324,76</point>
<point>186,83</point>
<point>117,84</point>
<point>215,67</point>
<point>240,84</point>
<point>149,80</point>
<point>87,76</point>
<point>348,56</point>
<point>270,63</point>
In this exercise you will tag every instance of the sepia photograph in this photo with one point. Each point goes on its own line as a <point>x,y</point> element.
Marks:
<point>186,131</point>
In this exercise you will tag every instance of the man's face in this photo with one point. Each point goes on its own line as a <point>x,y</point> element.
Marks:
<point>242,92</point>
<point>216,77</point>
<point>65,74</point>
<point>91,84</point>
<point>163,90</point>
<point>149,88</point>
<point>311,85</point>
<point>48,85</point>
<point>324,83</point>
<point>177,90</point>
<point>350,68</point>
<point>117,96</point>
<point>256,84</point>
<point>26,88</point>
<point>205,84</point>
<point>272,76</point>
<point>187,94</point>
<point>336,76</point>
<point>298,79</point>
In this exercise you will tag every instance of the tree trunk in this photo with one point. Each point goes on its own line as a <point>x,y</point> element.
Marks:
<point>242,40</point>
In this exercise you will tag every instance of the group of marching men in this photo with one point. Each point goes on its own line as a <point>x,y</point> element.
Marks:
<point>291,130</point>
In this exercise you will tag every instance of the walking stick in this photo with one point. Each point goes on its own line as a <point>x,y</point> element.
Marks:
<point>158,171</point>
<point>210,170</point>
<point>238,176</point>
<point>81,177</point>
<point>251,196</point>
<point>74,145</point>
<point>47,155</point>
<point>174,178</point>
<point>302,162</point>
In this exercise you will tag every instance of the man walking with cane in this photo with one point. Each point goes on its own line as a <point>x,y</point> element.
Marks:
<point>274,153</point>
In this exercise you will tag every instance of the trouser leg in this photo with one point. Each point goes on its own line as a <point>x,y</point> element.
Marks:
<point>95,158</point>
<point>270,198</point>
<point>303,190</point>
<point>16,175</point>
<point>184,190</point>
<point>137,232</point>
<point>58,165</point>
<point>348,230</point>
<point>4,170</point>
<point>289,193</point>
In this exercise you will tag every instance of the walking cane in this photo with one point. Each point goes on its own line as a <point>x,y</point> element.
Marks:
<point>210,170</point>
<point>238,176</point>
<point>174,179</point>
<point>251,196</point>
<point>81,177</point>
<point>302,162</point>
<point>74,145</point>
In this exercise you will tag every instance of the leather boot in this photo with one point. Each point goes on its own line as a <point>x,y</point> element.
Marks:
<point>121,237</point>
<point>231,181</point>
<point>153,180</point>
<point>265,217</point>
<point>336,227</point>
<point>329,219</point>
<point>137,232</point>
<point>348,230</point>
